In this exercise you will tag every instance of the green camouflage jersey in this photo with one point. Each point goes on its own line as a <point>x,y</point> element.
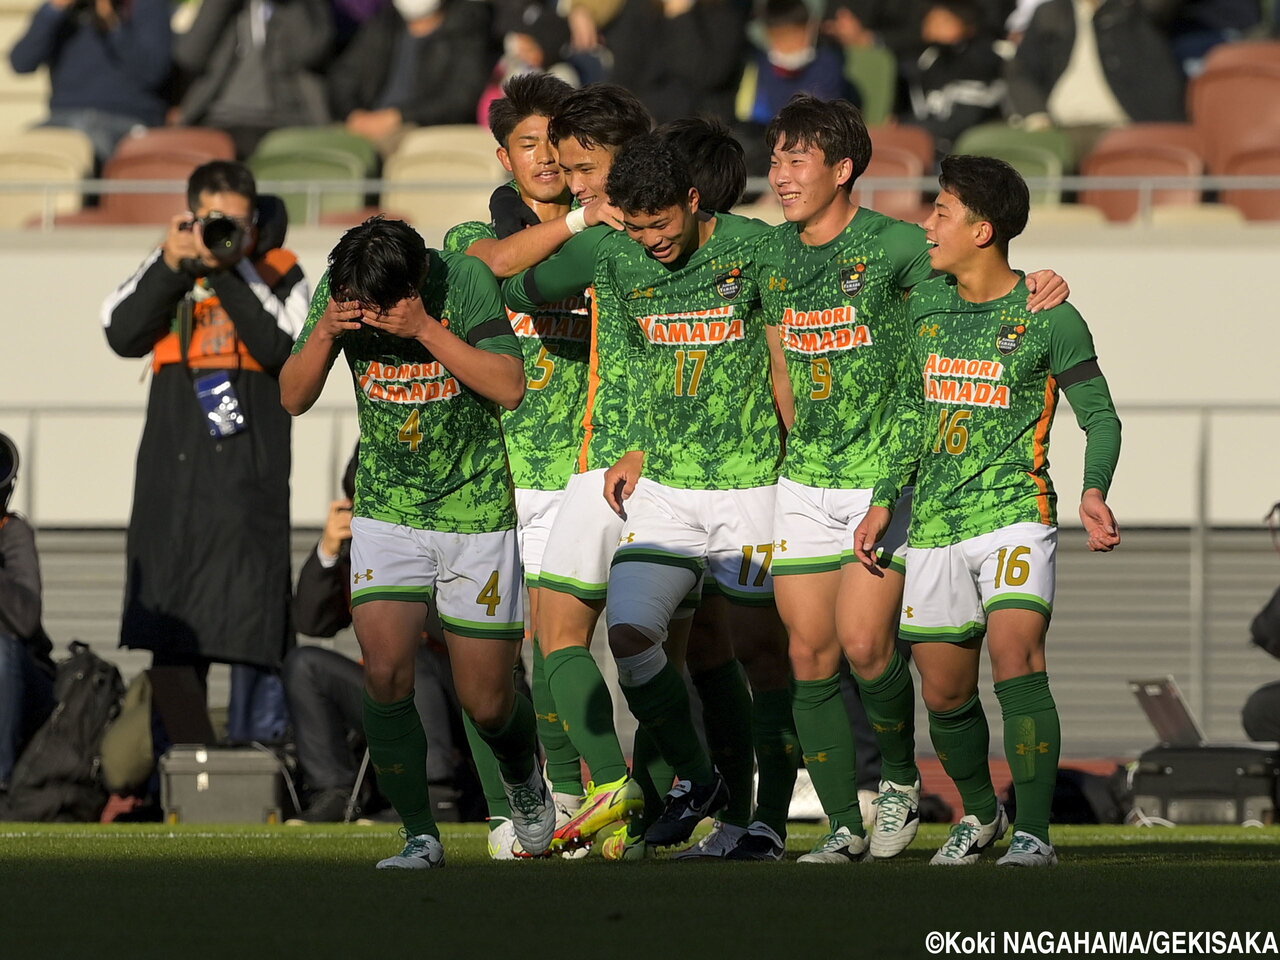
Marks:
<point>984,386</point>
<point>702,399</point>
<point>431,453</point>
<point>842,313</point>
<point>542,434</point>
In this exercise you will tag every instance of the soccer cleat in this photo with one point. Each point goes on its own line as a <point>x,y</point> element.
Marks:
<point>621,845</point>
<point>533,817</point>
<point>897,819</point>
<point>838,846</point>
<point>759,843</point>
<point>969,839</point>
<point>566,805</point>
<point>685,808</point>
<point>720,842</point>
<point>419,853</point>
<point>1028,851</point>
<point>603,806</point>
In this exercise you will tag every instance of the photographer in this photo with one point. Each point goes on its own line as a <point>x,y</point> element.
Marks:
<point>217,306</point>
<point>26,672</point>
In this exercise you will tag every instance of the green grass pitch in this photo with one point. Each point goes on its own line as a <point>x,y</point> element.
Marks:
<point>241,892</point>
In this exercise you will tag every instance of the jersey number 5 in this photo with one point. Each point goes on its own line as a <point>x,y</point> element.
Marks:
<point>821,376</point>
<point>689,363</point>
<point>546,367</point>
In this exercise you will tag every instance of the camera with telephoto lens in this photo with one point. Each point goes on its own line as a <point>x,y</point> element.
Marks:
<point>222,235</point>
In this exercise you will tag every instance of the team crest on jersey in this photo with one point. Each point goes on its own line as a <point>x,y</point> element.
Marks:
<point>729,285</point>
<point>1010,338</point>
<point>852,278</point>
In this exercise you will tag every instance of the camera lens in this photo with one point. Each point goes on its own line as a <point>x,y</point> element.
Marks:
<point>223,237</point>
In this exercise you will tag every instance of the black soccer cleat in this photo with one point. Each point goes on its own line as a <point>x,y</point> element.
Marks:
<point>686,806</point>
<point>760,842</point>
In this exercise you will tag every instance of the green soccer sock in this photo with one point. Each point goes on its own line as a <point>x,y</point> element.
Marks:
<point>655,777</point>
<point>963,741</point>
<point>515,743</point>
<point>398,751</point>
<point>773,728</point>
<point>564,765</point>
<point>586,711</point>
<point>727,720</point>
<point>1032,743</point>
<point>890,703</point>
<point>495,797</point>
<point>661,705</point>
<point>822,726</point>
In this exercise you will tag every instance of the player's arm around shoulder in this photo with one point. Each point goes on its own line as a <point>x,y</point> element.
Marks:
<point>1073,361</point>
<point>303,375</point>
<point>566,273</point>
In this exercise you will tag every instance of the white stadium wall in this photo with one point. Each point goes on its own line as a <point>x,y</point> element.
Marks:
<point>1180,317</point>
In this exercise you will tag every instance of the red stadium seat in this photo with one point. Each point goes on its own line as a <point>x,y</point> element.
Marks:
<point>199,143</point>
<point>1154,160</point>
<point>905,204</point>
<point>1255,204</point>
<point>1236,109</point>
<point>1247,52</point>
<point>904,136</point>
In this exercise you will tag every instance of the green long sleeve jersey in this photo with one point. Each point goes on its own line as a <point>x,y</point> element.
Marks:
<point>974,426</point>
<point>542,433</point>
<point>698,392</point>
<point>431,451</point>
<point>842,313</point>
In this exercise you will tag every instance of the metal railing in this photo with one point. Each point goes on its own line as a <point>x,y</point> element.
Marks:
<point>315,190</point>
<point>1205,414</point>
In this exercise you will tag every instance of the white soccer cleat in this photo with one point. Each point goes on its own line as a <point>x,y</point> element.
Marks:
<point>502,840</point>
<point>867,807</point>
<point>897,819</point>
<point>969,839</point>
<point>838,846</point>
<point>1028,851</point>
<point>533,815</point>
<point>567,805</point>
<point>720,842</point>
<point>419,853</point>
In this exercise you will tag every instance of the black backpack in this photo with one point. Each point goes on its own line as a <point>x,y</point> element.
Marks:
<point>57,778</point>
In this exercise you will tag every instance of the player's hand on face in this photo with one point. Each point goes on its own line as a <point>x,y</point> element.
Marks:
<point>602,211</point>
<point>620,480</point>
<point>1047,290</point>
<point>1099,522</point>
<point>408,318</point>
<point>868,534</point>
<point>337,527</point>
<point>339,317</point>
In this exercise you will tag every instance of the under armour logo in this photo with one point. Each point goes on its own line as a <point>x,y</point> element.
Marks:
<point>911,612</point>
<point>629,538</point>
<point>781,546</point>
<point>1026,748</point>
<point>368,575</point>
<point>816,757</point>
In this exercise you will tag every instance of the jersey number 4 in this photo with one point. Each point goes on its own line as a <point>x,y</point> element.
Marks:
<point>409,432</point>
<point>489,596</point>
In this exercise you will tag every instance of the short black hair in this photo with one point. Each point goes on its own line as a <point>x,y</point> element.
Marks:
<point>716,161</point>
<point>600,114</point>
<point>835,127</point>
<point>525,95</point>
<point>785,13</point>
<point>991,190</point>
<point>649,175</point>
<point>967,12</point>
<point>380,262</point>
<point>221,176</point>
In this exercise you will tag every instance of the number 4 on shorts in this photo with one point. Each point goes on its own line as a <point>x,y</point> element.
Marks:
<point>489,596</point>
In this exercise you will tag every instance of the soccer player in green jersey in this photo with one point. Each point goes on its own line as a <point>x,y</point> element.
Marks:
<point>697,489</point>
<point>432,357</point>
<point>540,434</point>
<point>833,278</point>
<point>984,381</point>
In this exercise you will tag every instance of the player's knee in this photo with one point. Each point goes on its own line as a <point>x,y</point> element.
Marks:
<point>869,650</point>
<point>387,680</point>
<point>489,712</point>
<point>1010,663</point>
<point>941,695</point>
<point>637,668</point>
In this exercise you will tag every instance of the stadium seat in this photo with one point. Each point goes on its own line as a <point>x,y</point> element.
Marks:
<point>459,186</point>
<point>905,136</point>
<point>1255,204</point>
<point>47,153</point>
<point>314,163</point>
<point>454,139</point>
<point>1183,135</point>
<point>1195,215</point>
<point>1247,52</point>
<point>1153,160</point>
<point>1066,215</point>
<point>199,144</point>
<point>1043,154</point>
<point>874,71</point>
<point>295,141</point>
<point>1236,110</point>
<point>903,203</point>
<point>124,208</point>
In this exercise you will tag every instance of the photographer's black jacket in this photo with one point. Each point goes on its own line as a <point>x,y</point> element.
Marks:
<point>208,546</point>
<point>21,597</point>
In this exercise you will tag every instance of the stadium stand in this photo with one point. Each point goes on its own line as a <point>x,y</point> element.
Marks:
<point>196,144</point>
<point>1254,204</point>
<point>905,204</point>
<point>874,71</point>
<point>1195,215</point>
<point>1244,53</point>
<point>904,136</point>
<point>1045,154</point>
<point>1155,159</point>
<point>431,155</point>
<point>316,153</point>
<point>1236,109</point>
<point>45,153</point>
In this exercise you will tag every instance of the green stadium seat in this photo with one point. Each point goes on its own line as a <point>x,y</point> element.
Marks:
<point>874,71</point>
<point>302,140</point>
<point>315,163</point>
<point>1033,153</point>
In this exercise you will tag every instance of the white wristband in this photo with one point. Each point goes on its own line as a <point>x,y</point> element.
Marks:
<point>576,220</point>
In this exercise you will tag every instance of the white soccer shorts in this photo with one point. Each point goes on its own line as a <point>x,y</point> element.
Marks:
<point>813,528</point>
<point>535,515</point>
<point>581,541</point>
<point>473,578</point>
<point>951,590</point>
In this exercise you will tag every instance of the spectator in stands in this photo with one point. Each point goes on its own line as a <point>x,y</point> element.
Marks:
<point>682,58</point>
<point>867,23</point>
<point>1086,66</point>
<point>415,63</point>
<point>1197,26</point>
<point>324,688</point>
<point>958,81</point>
<point>250,66</point>
<point>792,61</point>
<point>534,38</point>
<point>109,63</point>
<point>26,672</point>
<point>348,16</point>
<point>217,306</point>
